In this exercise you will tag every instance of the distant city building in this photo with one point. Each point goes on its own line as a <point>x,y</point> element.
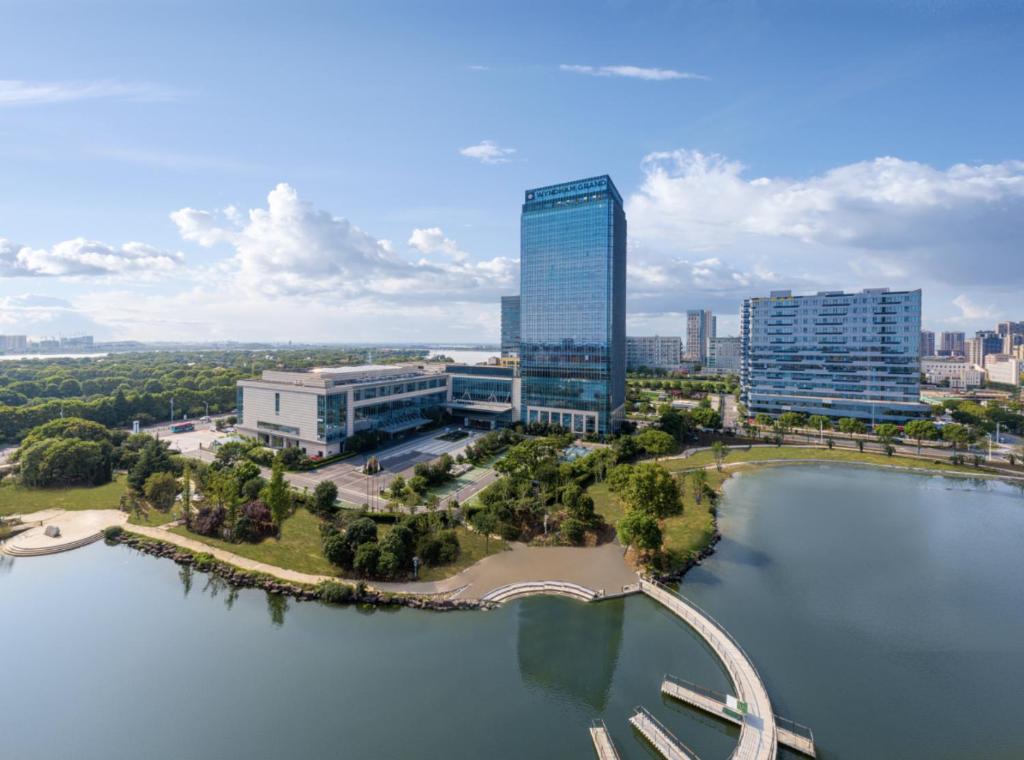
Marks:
<point>319,410</point>
<point>510,326</point>
<point>983,343</point>
<point>79,341</point>
<point>572,352</point>
<point>927,347</point>
<point>954,371</point>
<point>951,344</point>
<point>1004,329</point>
<point>726,355</point>
<point>1003,369</point>
<point>653,352</point>
<point>700,331</point>
<point>13,342</point>
<point>834,353</point>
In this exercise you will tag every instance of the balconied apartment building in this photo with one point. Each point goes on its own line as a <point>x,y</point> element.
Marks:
<point>319,410</point>
<point>833,353</point>
<point>653,352</point>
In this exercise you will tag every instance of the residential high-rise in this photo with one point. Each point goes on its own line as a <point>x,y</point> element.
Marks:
<point>983,343</point>
<point>837,354</point>
<point>510,326</point>
<point>13,342</point>
<point>725,355</point>
<point>653,352</point>
<point>700,331</point>
<point>572,351</point>
<point>927,347</point>
<point>951,344</point>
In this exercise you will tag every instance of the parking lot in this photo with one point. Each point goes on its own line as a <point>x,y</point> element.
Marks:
<point>356,488</point>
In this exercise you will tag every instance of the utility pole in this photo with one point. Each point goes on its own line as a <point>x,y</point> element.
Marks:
<point>172,409</point>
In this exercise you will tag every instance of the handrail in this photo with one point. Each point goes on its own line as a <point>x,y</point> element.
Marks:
<point>640,710</point>
<point>795,728</point>
<point>704,691</point>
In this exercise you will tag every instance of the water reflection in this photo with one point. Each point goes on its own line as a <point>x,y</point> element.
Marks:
<point>277,606</point>
<point>577,656</point>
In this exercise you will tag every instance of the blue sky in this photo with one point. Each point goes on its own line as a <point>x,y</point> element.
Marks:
<point>353,171</point>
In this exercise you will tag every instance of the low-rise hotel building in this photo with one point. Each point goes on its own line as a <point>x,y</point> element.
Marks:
<point>320,410</point>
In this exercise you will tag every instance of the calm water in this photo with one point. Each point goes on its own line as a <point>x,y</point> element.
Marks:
<point>884,610</point>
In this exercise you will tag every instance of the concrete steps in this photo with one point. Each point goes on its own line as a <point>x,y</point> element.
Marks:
<point>12,549</point>
<point>530,588</point>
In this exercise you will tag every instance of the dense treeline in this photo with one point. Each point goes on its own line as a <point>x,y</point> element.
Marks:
<point>117,389</point>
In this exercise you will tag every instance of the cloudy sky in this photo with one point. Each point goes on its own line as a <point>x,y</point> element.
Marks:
<point>354,171</point>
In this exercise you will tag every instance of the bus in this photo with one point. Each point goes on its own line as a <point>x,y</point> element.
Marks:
<point>182,427</point>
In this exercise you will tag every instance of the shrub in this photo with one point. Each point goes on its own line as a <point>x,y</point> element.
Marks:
<point>161,490</point>
<point>366,558</point>
<point>363,530</point>
<point>209,521</point>
<point>337,550</point>
<point>113,532</point>
<point>324,497</point>
<point>254,522</point>
<point>573,531</point>
<point>333,592</point>
<point>439,549</point>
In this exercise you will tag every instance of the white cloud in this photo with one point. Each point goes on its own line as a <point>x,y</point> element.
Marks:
<point>291,248</point>
<point>15,92</point>
<point>631,72</point>
<point>488,152</point>
<point>42,316</point>
<point>84,258</point>
<point>432,240</point>
<point>905,223</point>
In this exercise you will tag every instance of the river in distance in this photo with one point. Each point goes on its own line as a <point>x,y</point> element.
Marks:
<point>883,609</point>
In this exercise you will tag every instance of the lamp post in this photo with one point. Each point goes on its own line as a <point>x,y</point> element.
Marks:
<point>172,409</point>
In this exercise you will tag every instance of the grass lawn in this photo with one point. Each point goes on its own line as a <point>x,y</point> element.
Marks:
<point>683,534</point>
<point>702,458</point>
<point>297,549</point>
<point>17,499</point>
<point>473,549</point>
<point>154,517</point>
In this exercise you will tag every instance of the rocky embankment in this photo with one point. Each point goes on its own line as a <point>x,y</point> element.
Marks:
<point>331,591</point>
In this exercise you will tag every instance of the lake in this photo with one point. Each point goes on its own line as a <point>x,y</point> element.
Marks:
<point>883,610</point>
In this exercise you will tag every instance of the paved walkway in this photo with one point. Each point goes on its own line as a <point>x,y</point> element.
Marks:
<point>77,528</point>
<point>758,740</point>
<point>602,567</point>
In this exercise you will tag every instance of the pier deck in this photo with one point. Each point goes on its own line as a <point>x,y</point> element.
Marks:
<point>789,734</point>
<point>667,745</point>
<point>603,741</point>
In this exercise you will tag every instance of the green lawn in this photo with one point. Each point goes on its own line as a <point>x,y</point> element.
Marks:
<point>17,499</point>
<point>703,458</point>
<point>473,549</point>
<point>154,517</point>
<point>683,534</point>
<point>297,549</point>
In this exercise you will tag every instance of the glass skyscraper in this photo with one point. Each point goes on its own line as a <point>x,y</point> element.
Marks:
<point>572,353</point>
<point>510,326</point>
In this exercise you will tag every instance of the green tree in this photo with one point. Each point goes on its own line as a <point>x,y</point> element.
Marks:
<point>64,462</point>
<point>657,443</point>
<point>366,558</point>
<point>851,426</point>
<point>921,430</point>
<point>161,489</point>
<point>819,422</point>
<point>276,495</point>
<point>640,529</point>
<point>325,496</point>
<point>186,495</point>
<point>698,482</point>
<point>361,531</point>
<point>652,489</point>
<point>486,522</point>
<point>720,451</point>
<point>707,418</point>
<point>153,457</point>
<point>676,423</point>
<point>957,434</point>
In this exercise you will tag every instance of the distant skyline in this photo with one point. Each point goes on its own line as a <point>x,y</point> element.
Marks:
<point>354,173</point>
